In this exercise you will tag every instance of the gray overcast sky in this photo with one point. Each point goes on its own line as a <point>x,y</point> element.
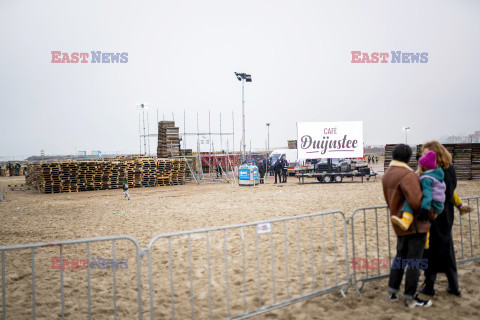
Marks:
<point>182,55</point>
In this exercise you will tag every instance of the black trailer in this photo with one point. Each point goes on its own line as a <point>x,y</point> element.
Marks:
<point>329,173</point>
<point>334,177</point>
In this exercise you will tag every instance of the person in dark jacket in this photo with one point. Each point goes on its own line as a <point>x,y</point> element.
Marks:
<point>441,254</point>
<point>278,170</point>
<point>400,184</point>
<point>284,169</point>
<point>261,170</point>
<point>271,166</point>
<point>265,167</point>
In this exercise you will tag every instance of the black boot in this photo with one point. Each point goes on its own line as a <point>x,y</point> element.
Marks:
<point>427,289</point>
<point>454,292</point>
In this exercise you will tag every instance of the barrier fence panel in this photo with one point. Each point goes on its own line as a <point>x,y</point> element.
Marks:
<point>466,232</point>
<point>242,270</point>
<point>72,279</point>
<point>234,271</point>
<point>373,244</point>
<point>374,241</point>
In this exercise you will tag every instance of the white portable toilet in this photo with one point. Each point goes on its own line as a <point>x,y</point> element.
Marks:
<point>248,175</point>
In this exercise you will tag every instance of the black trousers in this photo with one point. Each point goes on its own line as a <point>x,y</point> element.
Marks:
<point>408,247</point>
<point>442,264</point>
<point>262,177</point>
<point>279,175</point>
<point>284,175</point>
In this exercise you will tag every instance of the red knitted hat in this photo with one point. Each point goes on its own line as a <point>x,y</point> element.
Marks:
<point>429,161</point>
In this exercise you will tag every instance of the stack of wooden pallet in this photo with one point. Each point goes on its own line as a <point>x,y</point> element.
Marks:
<point>73,176</point>
<point>178,171</point>
<point>45,177</point>
<point>476,161</point>
<point>388,155</point>
<point>450,148</point>
<point>164,168</point>
<point>462,160</point>
<point>186,152</point>
<point>68,176</point>
<point>149,172</point>
<point>85,178</point>
<point>168,140</point>
<point>133,173</point>
<point>466,159</point>
<point>34,176</point>
<point>413,163</point>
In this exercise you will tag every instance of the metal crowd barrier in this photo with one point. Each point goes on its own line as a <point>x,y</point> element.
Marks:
<point>374,240</point>
<point>373,244</point>
<point>239,271</point>
<point>61,244</point>
<point>237,289</point>
<point>469,247</point>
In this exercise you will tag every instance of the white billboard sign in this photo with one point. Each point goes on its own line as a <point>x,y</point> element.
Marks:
<point>330,139</point>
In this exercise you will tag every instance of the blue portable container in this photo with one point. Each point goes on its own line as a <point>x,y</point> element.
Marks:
<point>248,175</point>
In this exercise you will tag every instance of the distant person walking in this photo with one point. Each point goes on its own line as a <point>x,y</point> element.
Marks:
<point>284,169</point>
<point>125,188</point>
<point>376,159</point>
<point>369,159</point>
<point>10,169</point>
<point>17,169</point>
<point>277,168</point>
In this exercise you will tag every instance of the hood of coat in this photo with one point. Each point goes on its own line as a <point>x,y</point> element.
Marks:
<point>437,174</point>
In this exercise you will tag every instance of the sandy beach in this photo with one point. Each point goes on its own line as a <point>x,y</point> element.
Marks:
<point>30,217</point>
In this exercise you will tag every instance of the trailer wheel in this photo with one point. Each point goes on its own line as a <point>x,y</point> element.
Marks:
<point>338,178</point>
<point>327,179</point>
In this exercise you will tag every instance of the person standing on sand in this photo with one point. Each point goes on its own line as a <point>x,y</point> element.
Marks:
<point>278,170</point>
<point>441,254</point>
<point>261,170</point>
<point>400,184</point>
<point>284,169</point>
<point>125,188</point>
<point>265,168</point>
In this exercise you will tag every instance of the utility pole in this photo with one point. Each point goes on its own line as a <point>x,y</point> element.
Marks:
<point>406,129</point>
<point>248,78</point>
<point>243,118</point>
<point>143,106</point>
<point>268,137</point>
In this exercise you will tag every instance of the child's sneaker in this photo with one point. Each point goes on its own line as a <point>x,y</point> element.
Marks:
<point>399,222</point>
<point>417,302</point>
<point>392,297</point>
